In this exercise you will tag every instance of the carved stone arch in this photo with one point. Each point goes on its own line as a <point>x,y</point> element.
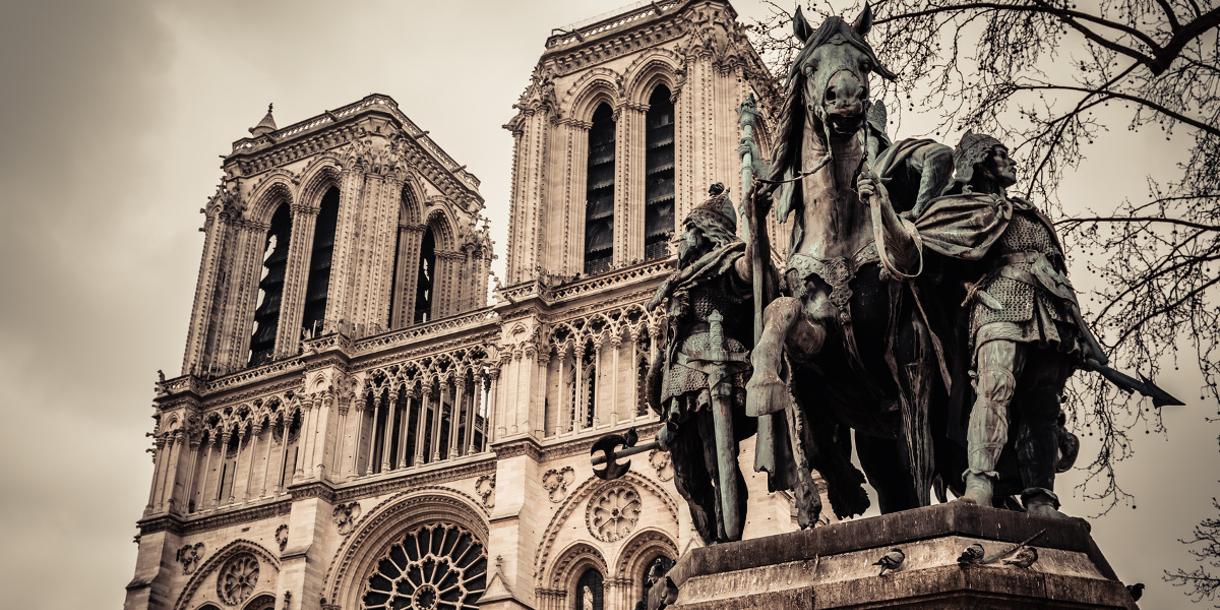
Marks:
<point>209,567</point>
<point>317,178</point>
<point>265,601</point>
<point>592,88</point>
<point>411,201</point>
<point>639,550</point>
<point>580,496</point>
<point>382,526</point>
<point>443,226</point>
<point>654,67</point>
<point>268,196</point>
<point>570,564</point>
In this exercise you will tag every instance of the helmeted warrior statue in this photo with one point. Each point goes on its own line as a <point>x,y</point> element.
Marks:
<point>697,385</point>
<point>1025,333</point>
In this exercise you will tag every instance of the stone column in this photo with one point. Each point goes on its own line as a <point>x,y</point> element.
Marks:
<point>285,477</point>
<point>245,269</point>
<point>296,277</point>
<point>407,274</point>
<point>381,234</point>
<point>455,412</point>
<point>616,343</point>
<point>404,426</point>
<point>158,462</point>
<point>241,437</point>
<point>472,411</point>
<point>531,130</point>
<point>445,284</point>
<point>422,421</point>
<point>595,401</point>
<point>629,186</point>
<point>339,305</point>
<point>494,431</point>
<point>201,494</point>
<point>391,413</point>
<point>368,467</point>
<point>217,239</point>
<point>194,442</point>
<point>564,417</point>
<point>437,415</point>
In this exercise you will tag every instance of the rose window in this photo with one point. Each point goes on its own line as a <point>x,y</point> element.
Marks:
<point>433,567</point>
<point>614,513</point>
<point>237,579</point>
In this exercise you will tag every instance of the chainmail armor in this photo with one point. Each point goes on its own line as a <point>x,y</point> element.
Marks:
<point>1024,234</point>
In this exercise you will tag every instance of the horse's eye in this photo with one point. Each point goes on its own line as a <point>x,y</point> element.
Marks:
<point>808,69</point>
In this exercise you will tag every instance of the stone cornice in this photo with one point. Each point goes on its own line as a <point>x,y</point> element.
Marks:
<point>518,446</point>
<point>338,127</point>
<point>431,474</point>
<point>219,517</point>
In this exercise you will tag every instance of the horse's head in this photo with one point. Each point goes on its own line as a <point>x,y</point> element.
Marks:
<point>831,72</point>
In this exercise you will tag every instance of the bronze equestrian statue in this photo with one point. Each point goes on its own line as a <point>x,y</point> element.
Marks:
<point>843,341</point>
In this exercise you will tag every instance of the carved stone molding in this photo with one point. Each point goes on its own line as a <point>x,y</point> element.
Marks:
<point>556,482</point>
<point>613,513</point>
<point>190,556</point>
<point>486,488</point>
<point>660,462</point>
<point>281,536</point>
<point>345,517</point>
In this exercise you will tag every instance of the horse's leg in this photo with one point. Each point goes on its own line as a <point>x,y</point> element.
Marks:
<point>882,461</point>
<point>783,323</point>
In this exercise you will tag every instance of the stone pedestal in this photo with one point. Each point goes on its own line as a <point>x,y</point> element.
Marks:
<point>832,566</point>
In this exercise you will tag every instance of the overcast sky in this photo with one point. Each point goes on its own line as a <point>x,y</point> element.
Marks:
<point>112,115</point>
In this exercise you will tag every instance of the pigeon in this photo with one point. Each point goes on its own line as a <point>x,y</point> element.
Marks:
<point>1136,590</point>
<point>1023,558</point>
<point>972,555</point>
<point>891,560</point>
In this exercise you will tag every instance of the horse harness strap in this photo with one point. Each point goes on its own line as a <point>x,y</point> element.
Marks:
<point>837,272</point>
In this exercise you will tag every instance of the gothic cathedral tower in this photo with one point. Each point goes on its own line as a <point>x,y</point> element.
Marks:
<point>357,427</point>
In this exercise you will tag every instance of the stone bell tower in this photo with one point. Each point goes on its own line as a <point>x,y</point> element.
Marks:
<point>323,224</point>
<point>625,122</point>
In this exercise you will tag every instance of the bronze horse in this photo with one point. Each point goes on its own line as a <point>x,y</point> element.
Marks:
<point>845,341</point>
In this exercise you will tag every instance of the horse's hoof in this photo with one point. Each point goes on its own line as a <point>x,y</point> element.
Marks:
<point>1045,510</point>
<point>766,394</point>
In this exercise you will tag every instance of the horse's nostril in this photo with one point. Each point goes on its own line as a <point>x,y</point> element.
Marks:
<point>830,95</point>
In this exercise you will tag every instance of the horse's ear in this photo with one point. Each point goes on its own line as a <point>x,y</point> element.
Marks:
<point>864,22</point>
<point>800,27</point>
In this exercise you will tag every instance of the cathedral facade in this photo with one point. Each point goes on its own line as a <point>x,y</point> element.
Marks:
<point>358,425</point>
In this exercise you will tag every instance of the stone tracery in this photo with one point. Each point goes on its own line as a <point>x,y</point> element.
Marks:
<point>437,566</point>
<point>613,513</point>
<point>237,579</point>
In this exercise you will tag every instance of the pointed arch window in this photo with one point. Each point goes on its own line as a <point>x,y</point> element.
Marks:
<point>599,192</point>
<point>318,284</point>
<point>425,279</point>
<point>401,307</point>
<point>589,594</point>
<point>271,287</point>
<point>658,174</point>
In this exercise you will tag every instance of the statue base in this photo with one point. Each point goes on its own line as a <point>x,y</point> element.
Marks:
<point>833,566</point>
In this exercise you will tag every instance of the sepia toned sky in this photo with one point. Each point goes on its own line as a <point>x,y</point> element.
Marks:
<point>112,115</point>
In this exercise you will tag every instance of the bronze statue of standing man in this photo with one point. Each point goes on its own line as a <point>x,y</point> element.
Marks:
<point>1026,335</point>
<point>697,385</point>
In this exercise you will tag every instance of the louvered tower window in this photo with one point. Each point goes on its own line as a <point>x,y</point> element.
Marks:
<point>318,284</point>
<point>425,278</point>
<point>659,174</point>
<point>599,192</point>
<point>271,287</point>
